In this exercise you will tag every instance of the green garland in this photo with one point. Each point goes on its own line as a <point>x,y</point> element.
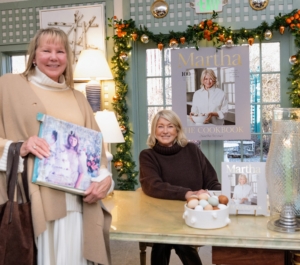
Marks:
<point>126,31</point>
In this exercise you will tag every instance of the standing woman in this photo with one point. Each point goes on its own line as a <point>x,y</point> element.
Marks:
<point>209,99</point>
<point>174,169</point>
<point>69,229</point>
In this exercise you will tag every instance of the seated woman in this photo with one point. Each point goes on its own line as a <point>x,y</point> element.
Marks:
<point>174,169</point>
<point>242,193</point>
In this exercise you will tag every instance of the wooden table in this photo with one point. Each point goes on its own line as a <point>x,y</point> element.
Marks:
<point>246,240</point>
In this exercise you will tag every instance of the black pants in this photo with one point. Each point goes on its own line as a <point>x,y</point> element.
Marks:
<point>161,253</point>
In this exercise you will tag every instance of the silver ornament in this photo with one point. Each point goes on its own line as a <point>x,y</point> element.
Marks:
<point>229,43</point>
<point>144,38</point>
<point>123,56</point>
<point>173,43</point>
<point>268,34</point>
<point>293,60</point>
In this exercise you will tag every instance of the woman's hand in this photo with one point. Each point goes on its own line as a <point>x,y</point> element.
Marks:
<point>210,115</point>
<point>97,190</point>
<point>35,145</point>
<point>193,193</point>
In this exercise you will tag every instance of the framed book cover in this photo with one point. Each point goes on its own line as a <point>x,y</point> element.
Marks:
<point>75,154</point>
<point>244,183</point>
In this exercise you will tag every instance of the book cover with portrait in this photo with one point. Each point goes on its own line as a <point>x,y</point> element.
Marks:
<point>210,92</point>
<point>244,183</point>
<point>75,154</point>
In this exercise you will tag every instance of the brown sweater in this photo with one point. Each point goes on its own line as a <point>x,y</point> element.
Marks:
<point>170,172</point>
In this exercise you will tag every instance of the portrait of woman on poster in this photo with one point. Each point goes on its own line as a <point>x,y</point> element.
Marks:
<point>209,101</point>
<point>243,192</point>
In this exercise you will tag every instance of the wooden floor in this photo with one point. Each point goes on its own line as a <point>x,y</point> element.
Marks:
<point>127,253</point>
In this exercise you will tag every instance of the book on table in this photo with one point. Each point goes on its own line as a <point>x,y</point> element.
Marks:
<point>75,155</point>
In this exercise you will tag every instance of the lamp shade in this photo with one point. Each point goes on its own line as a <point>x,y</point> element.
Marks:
<point>92,65</point>
<point>109,127</point>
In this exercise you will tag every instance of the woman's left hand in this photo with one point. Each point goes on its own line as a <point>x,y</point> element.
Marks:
<point>210,115</point>
<point>97,190</point>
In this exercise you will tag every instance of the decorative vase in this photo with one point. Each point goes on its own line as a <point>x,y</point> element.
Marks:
<point>283,171</point>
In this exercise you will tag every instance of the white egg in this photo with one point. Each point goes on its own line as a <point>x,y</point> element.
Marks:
<point>222,206</point>
<point>198,208</point>
<point>203,203</point>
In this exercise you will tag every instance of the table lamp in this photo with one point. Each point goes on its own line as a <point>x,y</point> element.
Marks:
<point>92,65</point>
<point>110,129</point>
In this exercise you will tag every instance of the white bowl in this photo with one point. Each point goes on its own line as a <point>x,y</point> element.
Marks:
<point>199,119</point>
<point>210,219</point>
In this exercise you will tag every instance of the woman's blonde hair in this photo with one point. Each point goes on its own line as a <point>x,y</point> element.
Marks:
<point>211,74</point>
<point>243,176</point>
<point>52,35</point>
<point>173,118</point>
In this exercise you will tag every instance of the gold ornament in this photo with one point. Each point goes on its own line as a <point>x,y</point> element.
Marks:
<point>160,46</point>
<point>123,129</point>
<point>118,165</point>
<point>251,41</point>
<point>124,177</point>
<point>268,34</point>
<point>182,40</point>
<point>201,25</point>
<point>281,29</point>
<point>144,38</point>
<point>159,8</point>
<point>293,60</point>
<point>115,98</point>
<point>228,43</point>
<point>123,56</point>
<point>173,43</point>
<point>134,36</point>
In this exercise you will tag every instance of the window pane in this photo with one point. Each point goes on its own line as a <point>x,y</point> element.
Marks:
<point>267,114</point>
<point>254,58</point>
<point>151,113</point>
<point>255,119</point>
<point>154,67</point>
<point>255,88</point>
<point>167,61</point>
<point>271,87</point>
<point>266,146</point>
<point>155,91</point>
<point>18,64</point>
<point>168,89</point>
<point>271,57</point>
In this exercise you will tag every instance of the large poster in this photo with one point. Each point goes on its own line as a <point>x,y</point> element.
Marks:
<point>211,92</point>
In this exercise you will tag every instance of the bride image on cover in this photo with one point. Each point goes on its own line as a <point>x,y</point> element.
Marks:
<point>76,160</point>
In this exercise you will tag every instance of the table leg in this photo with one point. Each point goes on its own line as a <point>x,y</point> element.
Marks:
<point>143,247</point>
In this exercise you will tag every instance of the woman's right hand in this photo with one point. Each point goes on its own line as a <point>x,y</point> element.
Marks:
<point>193,193</point>
<point>37,146</point>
